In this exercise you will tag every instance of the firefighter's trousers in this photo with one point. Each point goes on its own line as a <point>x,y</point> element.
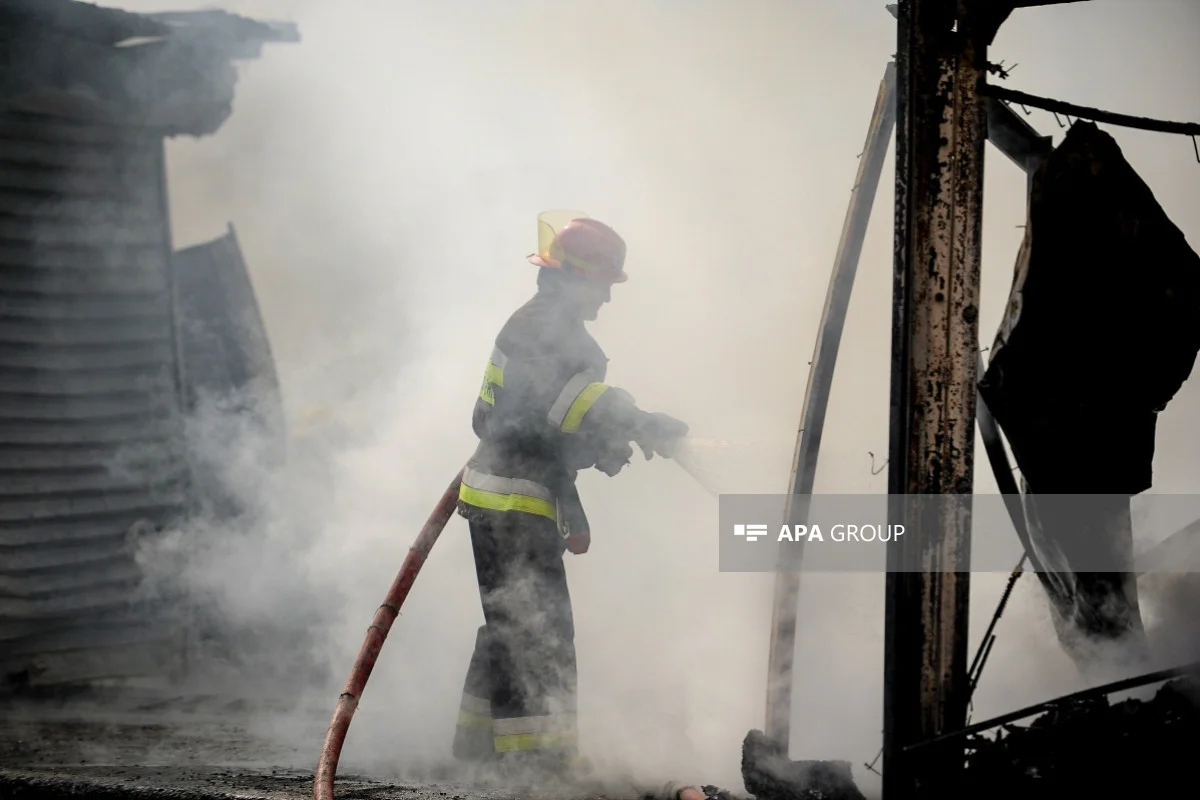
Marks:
<point>519,695</point>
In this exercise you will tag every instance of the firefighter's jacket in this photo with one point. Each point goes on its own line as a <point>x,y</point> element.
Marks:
<point>543,413</point>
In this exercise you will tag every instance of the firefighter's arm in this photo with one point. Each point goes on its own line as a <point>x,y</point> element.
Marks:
<point>532,381</point>
<point>607,419</point>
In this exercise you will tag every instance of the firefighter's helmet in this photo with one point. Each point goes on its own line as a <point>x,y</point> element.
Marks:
<point>585,247</point>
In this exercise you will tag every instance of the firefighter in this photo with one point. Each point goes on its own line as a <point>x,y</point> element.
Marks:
<point>544,413</point>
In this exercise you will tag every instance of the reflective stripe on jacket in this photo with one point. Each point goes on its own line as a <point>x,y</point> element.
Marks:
<point>494,493</point>
<point>543,413</point>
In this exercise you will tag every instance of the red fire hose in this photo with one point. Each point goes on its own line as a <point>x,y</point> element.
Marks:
<point>335,737</point>
<point>347,704</point>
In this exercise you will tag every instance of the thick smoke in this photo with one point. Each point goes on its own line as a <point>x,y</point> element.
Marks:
<point>384,176</point>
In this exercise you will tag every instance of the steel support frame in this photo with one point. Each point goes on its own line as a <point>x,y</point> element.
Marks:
<point>923,691</point>
<point>941,132</point>
<point>1025,147</point>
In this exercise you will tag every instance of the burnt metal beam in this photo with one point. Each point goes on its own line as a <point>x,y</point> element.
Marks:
<point>1093,114</point>
<point>1002,469</point>
<point>1186,671</point>
<point>816,401</point>
<point>1013,136</point>
<point>1035,3</point>
<point>941,136</point>
<point>1016,138</point>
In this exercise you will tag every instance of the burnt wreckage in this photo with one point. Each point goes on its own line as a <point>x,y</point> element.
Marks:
<point>1094,230</point>
<point>1101,331</point>
<point>108,336</point>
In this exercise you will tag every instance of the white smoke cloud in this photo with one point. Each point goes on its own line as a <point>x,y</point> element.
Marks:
<point>384,176</point>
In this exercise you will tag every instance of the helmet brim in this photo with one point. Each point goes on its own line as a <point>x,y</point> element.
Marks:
<point>539,261</point>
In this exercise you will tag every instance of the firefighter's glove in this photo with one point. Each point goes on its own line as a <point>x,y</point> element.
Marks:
<point>658,433</point>
<point>578,542</point>
<point>614,458</point>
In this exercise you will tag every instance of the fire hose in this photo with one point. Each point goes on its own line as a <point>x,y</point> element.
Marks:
<point>347,703</point>
<point>339,726</point>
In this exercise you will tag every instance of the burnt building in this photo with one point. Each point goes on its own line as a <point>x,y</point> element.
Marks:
<point>98,369</point>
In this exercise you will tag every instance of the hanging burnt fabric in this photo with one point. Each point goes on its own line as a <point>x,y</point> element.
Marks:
<point>1102,329</point>
<point>1102,326</point>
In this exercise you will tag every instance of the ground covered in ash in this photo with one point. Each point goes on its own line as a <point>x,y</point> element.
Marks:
<point>143,748</point>
<point>1095,749</point>
<point>139,746</point>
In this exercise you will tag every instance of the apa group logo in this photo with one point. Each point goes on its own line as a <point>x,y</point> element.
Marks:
<point>751,533</point>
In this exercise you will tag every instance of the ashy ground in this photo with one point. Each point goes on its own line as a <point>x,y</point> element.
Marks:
<point>134,747</point>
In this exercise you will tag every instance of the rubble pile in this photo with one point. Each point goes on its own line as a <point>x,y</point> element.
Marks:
<point>1094,748</point>
<point>770,775</point>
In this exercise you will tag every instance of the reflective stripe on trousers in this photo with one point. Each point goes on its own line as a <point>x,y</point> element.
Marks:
<point>575,400</point>
<point>553,732</point>
<point>473,733</point>
<point>474,712</point>
<point>495,493</point>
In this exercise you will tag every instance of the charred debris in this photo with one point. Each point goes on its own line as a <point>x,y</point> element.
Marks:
<point>1092,747</point>
<point>1102,328</point>
<point>110,334</point>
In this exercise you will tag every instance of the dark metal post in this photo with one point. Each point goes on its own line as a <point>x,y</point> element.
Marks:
<point>941,133</point>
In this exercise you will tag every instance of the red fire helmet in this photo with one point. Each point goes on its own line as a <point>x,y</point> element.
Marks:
<point>586,247</point>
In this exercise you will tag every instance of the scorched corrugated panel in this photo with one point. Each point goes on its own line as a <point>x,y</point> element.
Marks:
<point>91,448</point>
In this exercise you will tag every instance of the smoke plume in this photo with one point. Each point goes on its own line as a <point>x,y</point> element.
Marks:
<point>384,176</point>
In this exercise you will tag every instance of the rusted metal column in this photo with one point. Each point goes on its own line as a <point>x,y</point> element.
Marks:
<point>941,133</point>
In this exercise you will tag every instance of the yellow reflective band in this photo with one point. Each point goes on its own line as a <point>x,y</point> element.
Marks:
<point>494,374</point>
<point>513,742</point>
<point>583,403</point>
<point>494,501</point>
<point>470,719</point>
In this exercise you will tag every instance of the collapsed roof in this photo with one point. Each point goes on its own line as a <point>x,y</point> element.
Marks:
<point>171,72</point>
